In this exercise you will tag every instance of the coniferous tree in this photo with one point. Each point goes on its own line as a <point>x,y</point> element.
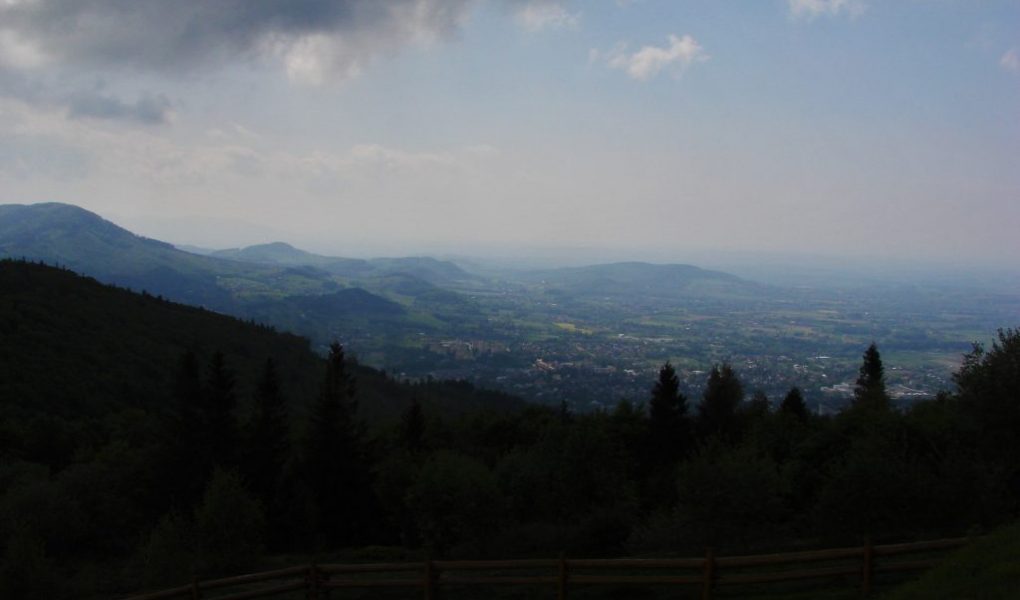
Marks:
<point>412,430</point>
<point>667,412</point>
<point>666,441</point>
<point>220,428</point>
<point>187,394</point>
<point>185,457</point>
<point>758,407</point>
<point>717,413</point>
<point>335,470</point>
<point>782,434</point>
<point>667,402</point>
<point>268,441</point>
<point>793,404</point>
<point>869,393</point>
<point>565,415</point>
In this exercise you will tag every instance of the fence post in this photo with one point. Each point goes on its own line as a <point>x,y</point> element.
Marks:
<point>562,584</point>
<point>429,582</point>
<point>868,568</point>
<point>709,575</point>
<point>196,591</point>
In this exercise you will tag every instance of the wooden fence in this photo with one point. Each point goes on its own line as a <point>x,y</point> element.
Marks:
<point>708,573</point>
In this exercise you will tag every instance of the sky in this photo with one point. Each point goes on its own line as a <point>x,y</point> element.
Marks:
<point>874,130</point>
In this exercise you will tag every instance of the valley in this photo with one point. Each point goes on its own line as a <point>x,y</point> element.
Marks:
<point>588,336</point>
<point>592,353</point>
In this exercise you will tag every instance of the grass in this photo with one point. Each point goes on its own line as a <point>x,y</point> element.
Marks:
<point>572,328</point>
<point>988,569</point>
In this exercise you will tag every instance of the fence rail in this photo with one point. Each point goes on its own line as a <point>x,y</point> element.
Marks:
<point>708,572</point>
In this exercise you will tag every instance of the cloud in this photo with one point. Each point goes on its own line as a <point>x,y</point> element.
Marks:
<point>84,102</point>
<point>39,143</point>
<point>18,53</point>
<point>646,63</point>
<point>27,156</point>
<point>148,109</point>
<point>1010,61</point>
<point>811,9</point>
<point>314,39</point>
<point>536,15</point>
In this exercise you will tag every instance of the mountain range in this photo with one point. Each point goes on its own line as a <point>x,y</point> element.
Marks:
<point>85,242</point>
<point>225,280</point>
<point>396,311</point>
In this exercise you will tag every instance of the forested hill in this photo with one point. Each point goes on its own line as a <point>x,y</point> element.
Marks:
<point>75,347</point>
<point>117,407</point>
<point>73,237</point>
<point>76,238</point>
<point>72,347</point>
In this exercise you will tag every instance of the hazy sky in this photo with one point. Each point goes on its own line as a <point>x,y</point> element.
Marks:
<point>856,127</point>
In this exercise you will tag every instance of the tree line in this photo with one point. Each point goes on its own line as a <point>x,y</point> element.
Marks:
<point>200,488</point>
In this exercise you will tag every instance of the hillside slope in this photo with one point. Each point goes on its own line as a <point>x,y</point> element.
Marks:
<point>71,347</point>
<point>85,242</point>
<point>239,282</point>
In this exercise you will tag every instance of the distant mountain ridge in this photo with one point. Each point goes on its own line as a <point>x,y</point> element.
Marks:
<point>413,315</point>
<point>628,278</point>
<point>321,297</point>
<point>85,242</point>
<point>281,253</point>
<point>52,227</point>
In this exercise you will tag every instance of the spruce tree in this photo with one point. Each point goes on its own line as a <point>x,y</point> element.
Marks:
<point>270,436</point>
<point>412,430</point>
<point>220,428</point>
<point>187,395</point>
<point>268,441</point>
<point>565,416</point>
<point>667,412</point>
<point>794,405</point>
<point>667,441</point>
<point>335,469</point>
<point>717,413</point>
<point>184,455</point>
<point>869,393</point>
<point>758,408</point>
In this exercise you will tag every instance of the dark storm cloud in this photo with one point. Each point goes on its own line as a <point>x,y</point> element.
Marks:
<point>183,34</point>
<point>50,50</point>
<point>92,101</point>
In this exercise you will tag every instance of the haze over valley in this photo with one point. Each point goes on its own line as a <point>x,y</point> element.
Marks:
<point>588,336</point>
